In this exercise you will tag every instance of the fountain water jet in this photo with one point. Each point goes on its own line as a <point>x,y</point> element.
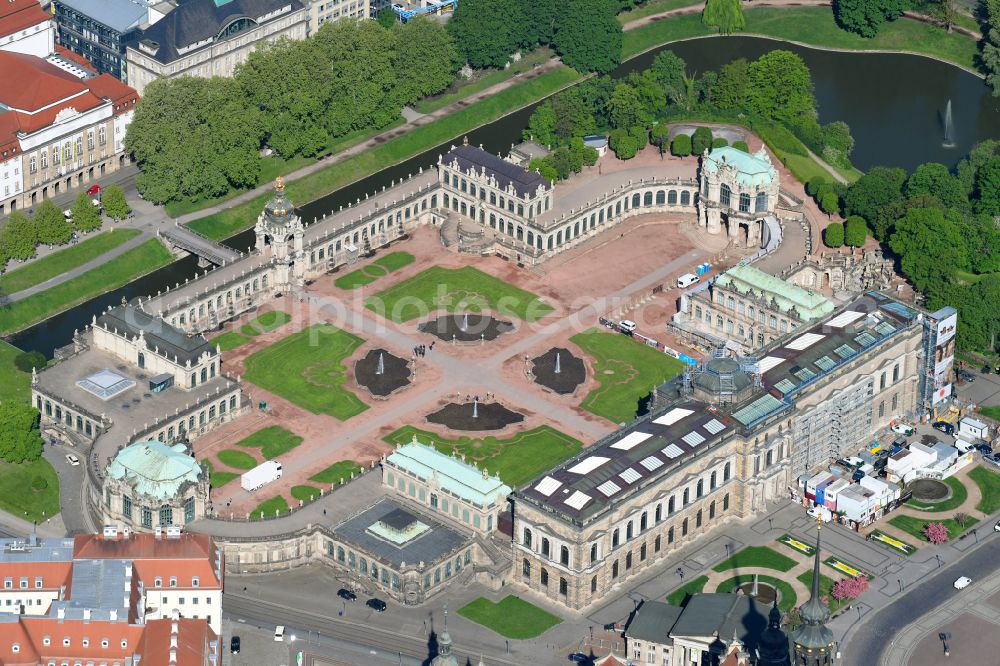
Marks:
<point>475,409</point>
<point>380,370</point>
<point>949,127</point>
<point>465,322</point>
<point>557,369</point>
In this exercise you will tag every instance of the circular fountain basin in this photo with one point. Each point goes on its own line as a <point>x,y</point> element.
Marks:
<point>466,327</point>
<point>488,416</point>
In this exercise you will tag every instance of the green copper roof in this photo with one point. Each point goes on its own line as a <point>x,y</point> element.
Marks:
<point>745,278</point>
<point>455,476</point>
<point>755,169</point>
<point>155,469</point>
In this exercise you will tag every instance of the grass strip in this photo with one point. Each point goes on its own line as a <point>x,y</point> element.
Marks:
<point>22,496</point>
<point>60,262</point>
<point>989,488</point>
<point>680,595</point>
<point>756,556</point>
<point>915,526</point>
<point>268,508</point>
<point>338,472</point>
<point>272,441</point>
<point>216,478</point>
<point>511,617</point>
<point>124,268</point>
<point>14,384</point>
<point>305,493</point>
<point>236,459</point>
<point>395,260</point>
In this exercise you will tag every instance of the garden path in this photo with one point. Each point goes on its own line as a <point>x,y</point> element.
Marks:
<point>716,578</point>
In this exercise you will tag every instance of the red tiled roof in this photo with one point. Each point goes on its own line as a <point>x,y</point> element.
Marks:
<point>29,83</point>
<point>53,574</point>
<point>29,633</point>
<point>66,54</point>
<point>16,15</point>
<point>193,638</point>
<point>183,557</point>
<point>122,96</point>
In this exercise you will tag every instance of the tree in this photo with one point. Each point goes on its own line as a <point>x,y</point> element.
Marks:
<point>681,146</point>
<point>829,202</point>
<point>624,144</point>
<point>483,31</point>
<point>837,135</point>
<point>731,87</point>
<point>833,235</point>
<point>855,231</point>
<point>668,69</point>
<point>934,179</point>
<point>945,12</point>
<point>542,125</point>
<point>741,145</point>
<point>19,237</point>
<point>701,140</point>
<point>20,439</point>
<point>387,17</point>
<point>962,518</point>
<point>582,154</point>
<point>936,533</point>
<point>546,170</point>
<point>987,188</point>
<point>86,217</point>
<point>641,136</point>
<point>426,59</point>
<point>879,187</point>
<point>815,184</point>
<point>26,361</point>
<point>573,116</point>
<point>51,225</point>
<point>865,16</point>
<point>850,588</point>
<point>930,244</point>
<point>624,107</point>
<point>726,15</point>
<point>780,87</point>
<point>977,157</point>
<point>660,137</point>
<point>719,142</point>
<point>588,36</point>
<point>540,21</point>
<point>114,203</point>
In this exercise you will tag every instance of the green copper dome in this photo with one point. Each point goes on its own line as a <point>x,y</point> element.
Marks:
<point>279,210</point>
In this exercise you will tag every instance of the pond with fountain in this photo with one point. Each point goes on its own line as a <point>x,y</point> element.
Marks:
<point>558,370</point>
<point>382,372</point>
<point>475,416</point>
<point>466,327</point>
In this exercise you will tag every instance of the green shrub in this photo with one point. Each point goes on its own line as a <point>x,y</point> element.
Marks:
<point>681,146</point>
<point>815,184</point>
<point>833,235</point>
<point>741,145</point>
<point>25,361</point>
<point>39,483</point>
<point>855,231</point>
<point>701,140</point>
<point>719,142</point>
<point>779,138</point>
<point>624,144</point>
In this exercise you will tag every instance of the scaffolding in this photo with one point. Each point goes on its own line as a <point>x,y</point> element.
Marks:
<point>405,13</point>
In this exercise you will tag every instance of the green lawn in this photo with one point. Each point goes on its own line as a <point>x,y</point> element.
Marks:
<point>394,261</point>
<point>958,496</point>
<point>353,280</point>
<point>787,598</point>
<point>237,459</point>
<point>19,498</point>
<point>992,412</point>
<point>14,384</point>
<point>307,369</point>
<point>267,508</point>
<point>651,7</point>
<point>693,586</point>
<point>626,370</point>
<point>989,487</point>
<point>906,548</point>
<point>455,290</point>
<point>64,260</point>
<point>124,268</point>
<point>512,617</point>
<point>517,459</point>
<point>228,222</point>
<point>266,322</point>
<point>218,479</point>
<point>305,493</point>
<point>756,556</point>
<point>815,26</point>
<point>825,589</point>
<point>337,471</point>
<point>272,441</point>
<point>915,526</point>
<point>374,270</point>
<point>229,340</point>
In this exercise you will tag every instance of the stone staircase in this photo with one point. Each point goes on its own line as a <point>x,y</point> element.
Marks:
<point>449,231</point>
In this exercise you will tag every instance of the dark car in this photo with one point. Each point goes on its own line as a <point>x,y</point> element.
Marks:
<point>983,448</point>
<point>579,658</point>
<point>858,475</point>
<point>234,645</point>
<point>965,375</point>
<point>376,605</point>
<point>346,594</point>
<point>944,427</point>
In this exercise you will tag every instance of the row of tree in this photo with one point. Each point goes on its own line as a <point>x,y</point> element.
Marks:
<point>21,234</point>
<point>865,17</point>
<point>199,138</point>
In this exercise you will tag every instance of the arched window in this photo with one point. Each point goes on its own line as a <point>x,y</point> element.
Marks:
<point>761,202</point>
<point>701,487</point>
<point>685,198</point>
<point>615,538</point>
<point>697,519</point>
<point>724,194</point>
<point>643,522</point>
<point>526,569</point>
<point>711,510</point>
<point>628,561</point>
<point>564,556</point>
<point>628,531</point>
<point>647,199</point>
<point>593,553</point>
<point>660,197</point>
<point>744,202</point>
<point>670,506</point>
<point>614,569</point>
<point>545,577</point>
<point>527,537</point>
<point>895,374</point>
<point>711,481</point>
<point>687,496</point>
<point>142,360</point>
<point>593,585</point>
<point>656,545</point>
<point>659,513</point>
<point>545,547</point>
<point>672,197</point>
<point>563,587</point>
<point>635,200</point>
<point>726,471</point>
<point>684,528</point>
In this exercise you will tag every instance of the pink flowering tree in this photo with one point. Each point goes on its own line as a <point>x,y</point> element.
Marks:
<point>936,533</point>
<point>850,588</point>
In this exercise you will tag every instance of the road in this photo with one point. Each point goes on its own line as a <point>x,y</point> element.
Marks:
<point>360,638</point>
<point>869,642</point>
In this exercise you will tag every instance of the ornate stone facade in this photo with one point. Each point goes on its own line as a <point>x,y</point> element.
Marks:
<point>852,271</point>
<point>737,191</point>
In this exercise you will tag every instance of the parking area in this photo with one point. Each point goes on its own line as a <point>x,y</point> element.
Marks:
<point>257,645</point>
<point>983,390</point>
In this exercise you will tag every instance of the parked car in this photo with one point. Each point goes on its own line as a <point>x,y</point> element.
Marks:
<point>983,447</point>
<point>944,427</point>
<point>854,461</point>
<point>579,658</point>
<point>963,583</point>
<point>964,446</point>
<point>965,375</point>
<point>895,449</point>
<point>376,605</point>
<point>72,460</point>
<point>234,645</point>
<point>819,512</point>
<point>346,594</point>
<point>900,442</point>
<point>93,190</point>
<point>996,528</point>
<point>858,475</point>
<point>279,633</point>
<point>627,326</point>
<point>992,459</point>
<point>903,429</point>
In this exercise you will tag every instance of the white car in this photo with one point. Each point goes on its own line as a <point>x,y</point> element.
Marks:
<point>627,325</point>
<point>903,429</point>
<point>279,633</point>
<point>72,460</point>
<point>819,512</point>
<point>996,528</point>
<point>855,461</point>
<point>963,583</point>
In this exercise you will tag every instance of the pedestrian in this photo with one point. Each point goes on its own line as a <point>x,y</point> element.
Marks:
<point>324,512</point>
<point>244,588</point>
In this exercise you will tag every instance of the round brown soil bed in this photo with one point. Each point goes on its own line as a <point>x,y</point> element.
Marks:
<point>571,370</point>
<point>466,327</point>
<point>930,490</point>
<point>394,376</point>
<point>488,416</point>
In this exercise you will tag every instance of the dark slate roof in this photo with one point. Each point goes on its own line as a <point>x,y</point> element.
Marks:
<point>196,20</point>
<point>506,173</point>
<point>159,334</point>
<point>653,622</point>
<point>721,615</point>
<point>398,519</point>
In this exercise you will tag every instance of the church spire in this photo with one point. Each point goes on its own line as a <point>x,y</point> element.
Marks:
<point>814,645</point>
<point>444,656</point>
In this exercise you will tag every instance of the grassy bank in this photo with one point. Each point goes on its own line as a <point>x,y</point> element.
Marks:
<point>121,270</point>
<point>652,7</point>
<point>814,26</point>
<point>511,617</point>
<point>59,262</point>
<point>14,384</point>
<point>226,223</point>
<point>23,496</point>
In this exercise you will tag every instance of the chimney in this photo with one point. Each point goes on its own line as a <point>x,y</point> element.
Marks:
<point>86,616</point>
<point>60,614</point>
<point>113,617</point>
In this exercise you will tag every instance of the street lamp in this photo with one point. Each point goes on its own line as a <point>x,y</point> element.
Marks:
<point>900,581</point>
<point>770,524</point>
<point>938,557</point>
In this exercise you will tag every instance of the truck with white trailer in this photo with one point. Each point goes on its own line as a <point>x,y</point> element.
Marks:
<point>261,475</point>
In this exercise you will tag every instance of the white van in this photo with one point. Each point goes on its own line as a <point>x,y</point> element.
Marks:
<point>687,280</point>
<point>627,325</point>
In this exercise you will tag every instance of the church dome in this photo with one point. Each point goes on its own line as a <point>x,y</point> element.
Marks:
<point>279,210</point>
<point>721,380</point>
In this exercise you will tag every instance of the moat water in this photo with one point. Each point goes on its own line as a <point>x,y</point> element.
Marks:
<point>894,104</point>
